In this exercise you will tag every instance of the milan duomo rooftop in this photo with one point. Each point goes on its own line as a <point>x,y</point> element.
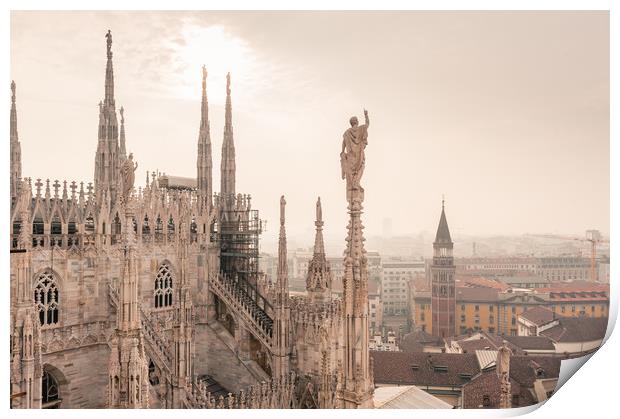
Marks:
<point>151,297</point>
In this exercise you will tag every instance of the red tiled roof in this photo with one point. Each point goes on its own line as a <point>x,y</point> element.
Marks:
<point>524,371</point>
<point>538,315</point>
<point>476,294</point>
<point>578,329</point>
<point>417,340</point>
<point>479,281</point>
<point>531,343</point>
<point>423,369</point>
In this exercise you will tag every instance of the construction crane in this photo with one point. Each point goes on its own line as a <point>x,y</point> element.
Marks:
<point>592,236</point>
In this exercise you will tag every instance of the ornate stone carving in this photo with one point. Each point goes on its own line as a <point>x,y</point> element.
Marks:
<point>128,176</point>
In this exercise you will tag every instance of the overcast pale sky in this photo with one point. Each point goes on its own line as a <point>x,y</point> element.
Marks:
<point>506,113</point>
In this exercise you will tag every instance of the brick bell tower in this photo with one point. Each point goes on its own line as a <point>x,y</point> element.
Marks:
<point>443,302</point>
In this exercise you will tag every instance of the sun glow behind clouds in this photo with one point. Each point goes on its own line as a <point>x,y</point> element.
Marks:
<point>221,52</point>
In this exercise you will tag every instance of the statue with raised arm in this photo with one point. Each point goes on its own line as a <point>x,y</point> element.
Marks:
<point>354,141</point>
<point>128,176</point>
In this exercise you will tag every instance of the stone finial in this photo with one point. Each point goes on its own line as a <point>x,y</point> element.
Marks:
<point>122,116</point>
<point>47,189</point>
<point>81,192</point>
<point>13,92</point>
<point>90,190</point>
<point>73,187</point>
<point>64,190</point>
<point>38,184</point>
<point>56,187</point>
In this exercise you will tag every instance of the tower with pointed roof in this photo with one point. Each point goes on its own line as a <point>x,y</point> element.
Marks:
<point>443,299</point>
<point>204,164</point>
<point>16,151</point>
<point>227,188</point>
<point>107,162</point>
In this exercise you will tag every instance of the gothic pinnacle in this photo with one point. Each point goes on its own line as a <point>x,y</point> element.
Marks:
<point>109,73</point>
<point>228,119</point>
<point>282,271</point>
<point>123,151</point>
<point>319,246</point>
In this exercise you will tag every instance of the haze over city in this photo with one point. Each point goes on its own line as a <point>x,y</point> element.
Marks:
<point>506,114</point>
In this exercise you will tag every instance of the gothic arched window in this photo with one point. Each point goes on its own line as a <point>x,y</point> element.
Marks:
<point>49,391</point>
<point>116,225</point>
<point>89,225</point>
<point>163,287</point>
<point>159,226</point>
<point>171,225</point>
<point>46,298</point>
<point>146,229</point>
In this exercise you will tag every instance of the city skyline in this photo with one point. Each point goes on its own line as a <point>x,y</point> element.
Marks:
<point>511,139</point>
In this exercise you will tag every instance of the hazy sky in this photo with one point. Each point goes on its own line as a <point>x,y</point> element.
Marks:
<point>506,113</point>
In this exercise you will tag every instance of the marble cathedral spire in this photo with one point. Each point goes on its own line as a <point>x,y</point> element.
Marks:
<point>282,270</point>
<point>16,151</point>
<point>107,164</point>
<point>228,149</point>
<point>319,279</point>
<point>204,162</point>
<point>282,310</point>
<point>357,386</point>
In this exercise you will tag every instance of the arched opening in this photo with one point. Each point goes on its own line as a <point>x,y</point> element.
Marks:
<point>146,229</point>
<point>193,230</point>
<point>171,228</point>
<point>116,229</point>
<point>153,378</point>
<point>159,229</point>
<point>17,228</point>
<point>89,225</point>
<point>50,391</point>
<point>38,228</point>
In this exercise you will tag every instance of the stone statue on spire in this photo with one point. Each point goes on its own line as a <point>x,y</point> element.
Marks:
<point>282,207</point>
<point>228,84</point>
<point>128,176</point>
<point>352,159</point>
<point>319,211</point>
<point>109,43</point>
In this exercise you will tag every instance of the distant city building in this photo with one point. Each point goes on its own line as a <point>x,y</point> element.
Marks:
<point>395,276</point>
<point>565,268</point>
<point>378,343</point>
<point>496,311</point>
<point>571,336</point>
